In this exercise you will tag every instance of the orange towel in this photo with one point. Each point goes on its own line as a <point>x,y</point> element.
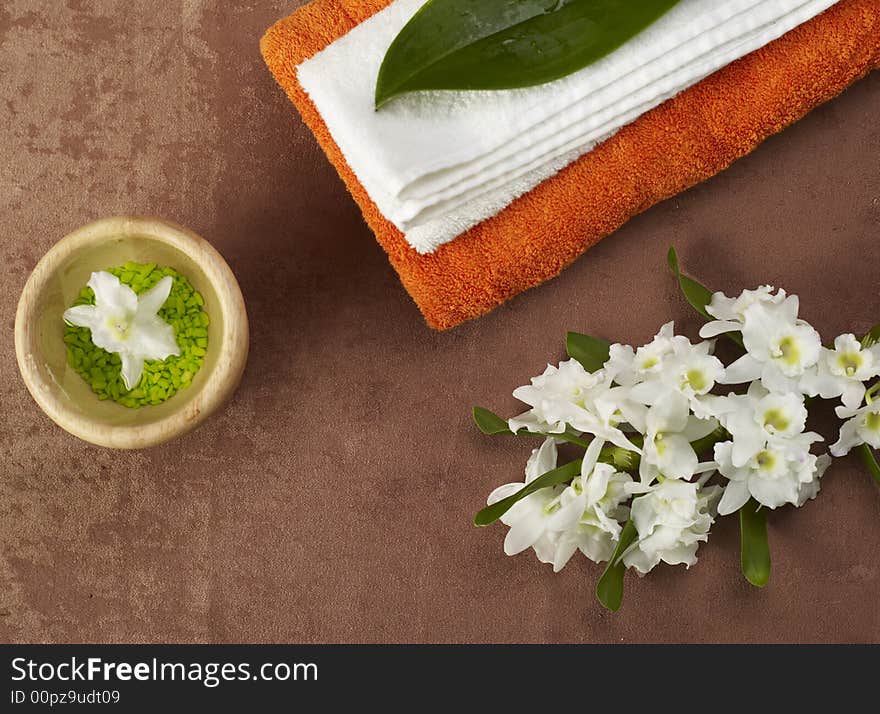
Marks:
<point>680,143</point>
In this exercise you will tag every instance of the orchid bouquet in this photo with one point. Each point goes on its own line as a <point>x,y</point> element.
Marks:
<point>665,451</point>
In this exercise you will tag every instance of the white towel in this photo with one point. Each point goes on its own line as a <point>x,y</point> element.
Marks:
<point>437,163</point>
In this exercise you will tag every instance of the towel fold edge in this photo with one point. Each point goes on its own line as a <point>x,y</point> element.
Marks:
<point>716,122</point>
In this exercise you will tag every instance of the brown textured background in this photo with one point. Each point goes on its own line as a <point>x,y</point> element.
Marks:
<point>331,500</point>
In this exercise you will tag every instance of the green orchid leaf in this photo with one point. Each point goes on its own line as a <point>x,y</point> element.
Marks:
<point>489,422</point>
<point>755,555</point>
<point>872,337</point>
<point>609,589</point>
<point>870,460</point>
<point>697,294</point>
<point>563,474</point>
<point>505,44</point>
<point>591,352</point>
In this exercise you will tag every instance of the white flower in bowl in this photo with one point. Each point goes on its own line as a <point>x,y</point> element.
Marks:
<point>126,323</point>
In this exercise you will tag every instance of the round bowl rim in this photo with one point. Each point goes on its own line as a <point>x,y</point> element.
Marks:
<point>223,378</point>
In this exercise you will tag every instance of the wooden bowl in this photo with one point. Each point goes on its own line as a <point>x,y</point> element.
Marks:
<point>55,283</point>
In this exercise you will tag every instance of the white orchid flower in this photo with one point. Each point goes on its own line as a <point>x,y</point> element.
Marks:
<point>671,519</point>
<point>784,471</point>
<point>126,323</point>
<point>569,383</point>
<point>780,348</point>
<point>759,416</point>
<point>730,312</point>
<point>628,367</point>
<point>529,516</point>
<point>810,489</point>
<point>669,431</point>
<point>842,372</point>
<point>569,396</point>
<point>862,427</point>
<point>689,370</point>
<point>589,509</point>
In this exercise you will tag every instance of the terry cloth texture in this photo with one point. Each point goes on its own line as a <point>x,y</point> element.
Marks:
<point>437,163</point>
<point>685,140</point>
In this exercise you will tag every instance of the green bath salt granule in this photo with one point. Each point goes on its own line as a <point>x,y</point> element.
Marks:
<point>183,310</point>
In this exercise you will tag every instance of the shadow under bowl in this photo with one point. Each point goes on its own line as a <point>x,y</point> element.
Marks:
<point>56,282</point>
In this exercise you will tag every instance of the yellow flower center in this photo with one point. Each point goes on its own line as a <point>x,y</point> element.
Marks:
<point>850,363</point>
<point>120,327</point>
<point>697,380</point>
<point>787,350</point>
<point>872,421</point>
<point>775,419</point>
<point>765,460</point>
<point>659,444</point>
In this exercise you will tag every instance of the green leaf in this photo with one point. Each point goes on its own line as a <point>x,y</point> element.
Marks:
<point>591,352</point>
<point>504,44</point>
<point>697,294</point>
<point>872,337</point>
<point>870,461</point>
<point>753,542</point>
<point>489,422</point>
<point>563,474</point>
<point>609,589</point>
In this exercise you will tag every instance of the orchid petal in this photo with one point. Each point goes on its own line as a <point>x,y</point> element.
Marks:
<point>591,456</point>
<point>567,516</point>
<point>503,492</point>
<point>111,295</point>
<point>648,392</point>
<point>847,440</point>
<point>678,459</point>
<point>82,316</point>
<point>542,460</point>
<point>669,414</point>
<point>719,327</point>
<point>523,533</point>
<point>745,369</point>
<point>774,380</point>
<point>736,495</point>
<point>153,338</point>
<point>852,394</point>
<point>132,369</point>
<point>563,554</point>
<point>698,428</point>
<point>153,299</point>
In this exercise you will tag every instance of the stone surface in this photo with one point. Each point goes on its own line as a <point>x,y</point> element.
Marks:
<point>331,500</point>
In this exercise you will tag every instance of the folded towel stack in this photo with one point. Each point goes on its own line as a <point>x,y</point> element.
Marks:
<point>484,167</point>
<point>438,163</point>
